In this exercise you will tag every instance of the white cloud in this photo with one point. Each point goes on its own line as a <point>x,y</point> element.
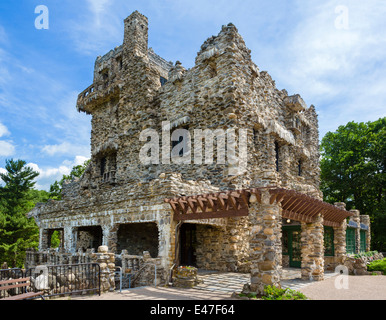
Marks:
<point>48,175</point>
<point>98,29</point>
<point>65,148</point>
<point>341,71</point>
<point>6,149</point>
<point>3,130</point>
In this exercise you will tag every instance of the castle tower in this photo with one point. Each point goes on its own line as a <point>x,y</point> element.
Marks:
<point>135,39</point>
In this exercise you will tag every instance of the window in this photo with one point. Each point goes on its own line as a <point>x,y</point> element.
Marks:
<point>277,156</point>
<point>363,240</point>
<point>328,241</point>
<point>300,168</point>
<point>350,240</point>
<point>163,81</point>
<point>103,166</point>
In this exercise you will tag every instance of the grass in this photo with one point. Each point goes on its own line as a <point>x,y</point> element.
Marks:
<point>274,293</point>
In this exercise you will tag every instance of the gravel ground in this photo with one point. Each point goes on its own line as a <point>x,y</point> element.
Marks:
<point>359,288</point>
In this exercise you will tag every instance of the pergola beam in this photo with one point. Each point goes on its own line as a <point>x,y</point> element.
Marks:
<point>235,203</point>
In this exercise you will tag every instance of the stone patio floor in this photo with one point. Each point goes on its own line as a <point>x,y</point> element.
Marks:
<point>229,282</point>
<point>214,285</point>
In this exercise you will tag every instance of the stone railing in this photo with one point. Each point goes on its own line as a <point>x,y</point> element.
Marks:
<point>143,269</point>
<point>54,257</point>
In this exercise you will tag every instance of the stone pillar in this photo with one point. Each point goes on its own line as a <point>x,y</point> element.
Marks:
<point>356,218</point>
<point>340,243</point>
<point>106,261</point>
<point>365,219</point>
<point>265,244</point>
<point>166,238</point>
<point>168,241</point>
<point>340,238</point>
<point>110,237</point>
<point>70,237</point>
<point>43,239</point>
<point>313,249</point>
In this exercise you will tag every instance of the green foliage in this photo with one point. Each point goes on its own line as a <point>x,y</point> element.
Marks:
<point>17,197</point>
<point>365,254</point>
<point>377,265</point>
<point>274,293</point>
<point>18,180</point>
<point>17,232</point>
<point>353,171</point>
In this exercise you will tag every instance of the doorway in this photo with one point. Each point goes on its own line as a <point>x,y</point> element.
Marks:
<point>188,242</point>
<point>291,243</point>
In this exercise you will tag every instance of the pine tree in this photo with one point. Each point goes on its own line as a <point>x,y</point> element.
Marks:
<point>17,232</point>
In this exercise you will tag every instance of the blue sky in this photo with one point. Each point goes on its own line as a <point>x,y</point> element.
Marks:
<point>333,53</point>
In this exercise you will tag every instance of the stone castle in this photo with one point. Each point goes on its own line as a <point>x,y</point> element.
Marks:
<point>202,213</point>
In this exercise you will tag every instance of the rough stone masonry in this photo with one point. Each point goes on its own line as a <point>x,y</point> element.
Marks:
<point>119,201</point>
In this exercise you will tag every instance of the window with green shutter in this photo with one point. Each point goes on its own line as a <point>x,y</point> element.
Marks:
<point>363,240</point>
<point>350,240</point>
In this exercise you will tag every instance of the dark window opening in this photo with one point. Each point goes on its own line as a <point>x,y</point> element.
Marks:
<point>188,245</point>
<point>300,168</point>
<point>103,166</point>
<point>137,238</point>
<point>120,63</point>
<point>163,80</point>
<point>89,238</point>
<point>328,241</point>
<point>277,156</point>
<point>255,137</point>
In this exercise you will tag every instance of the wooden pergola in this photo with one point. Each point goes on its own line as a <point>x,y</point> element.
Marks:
<point>235,203</point>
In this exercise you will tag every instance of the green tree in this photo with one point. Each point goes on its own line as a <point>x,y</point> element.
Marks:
<point>353,171</point>
<point>17,232</point>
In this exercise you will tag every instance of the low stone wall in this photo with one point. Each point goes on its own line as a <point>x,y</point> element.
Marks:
<point>357,264</point>
<point>185,277</point>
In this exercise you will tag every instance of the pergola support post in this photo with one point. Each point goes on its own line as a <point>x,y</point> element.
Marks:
<point>265,244</point>
<point>312,249</point>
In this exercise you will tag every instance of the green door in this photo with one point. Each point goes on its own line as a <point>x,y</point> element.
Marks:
<point>292,241</point>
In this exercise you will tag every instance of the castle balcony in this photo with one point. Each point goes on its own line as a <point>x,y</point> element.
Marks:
<point>109,177</point>
<point>96,94</point>
<point>295,126</point>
